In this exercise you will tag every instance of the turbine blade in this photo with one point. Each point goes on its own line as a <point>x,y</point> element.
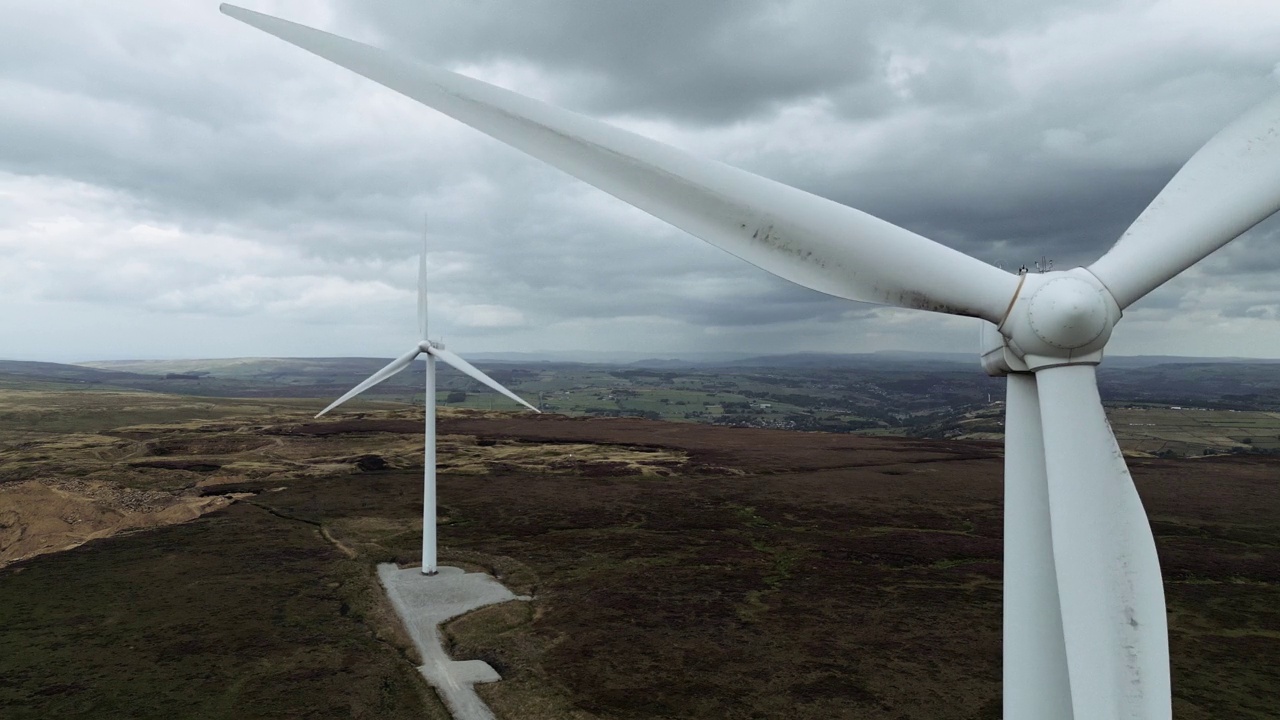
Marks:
<point>1227,187</point>
<point>1109,584</point>
<point>392,368</point>
<point>1036,683</point>
<point>806,239</point>
<point>422,287</point>
<point>468,369</point>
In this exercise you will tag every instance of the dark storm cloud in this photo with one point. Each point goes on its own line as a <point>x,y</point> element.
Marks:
<point>706,62</point>
<point>1252,259</point>
<point>986,184</point>
<point>709,62</point>
<point>1017,216</point>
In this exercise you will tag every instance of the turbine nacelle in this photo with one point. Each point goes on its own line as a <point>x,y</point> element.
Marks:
<point>1055,318</point>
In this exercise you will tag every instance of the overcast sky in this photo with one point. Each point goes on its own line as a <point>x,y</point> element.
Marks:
<point>176,184</point>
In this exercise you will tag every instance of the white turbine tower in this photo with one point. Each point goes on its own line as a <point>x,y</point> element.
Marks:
<point>433,351</point>
<point>1085,634</point>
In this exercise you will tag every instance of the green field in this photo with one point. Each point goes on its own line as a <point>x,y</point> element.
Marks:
<point>1195,432</point>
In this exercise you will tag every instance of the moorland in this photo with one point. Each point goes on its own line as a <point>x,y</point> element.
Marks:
<point>166,550</point>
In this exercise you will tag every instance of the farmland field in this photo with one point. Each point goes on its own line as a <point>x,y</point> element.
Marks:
<point>1191,432</point>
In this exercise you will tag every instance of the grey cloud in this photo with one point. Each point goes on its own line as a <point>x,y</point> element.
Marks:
<point>1252,259</point>
<point>706,62</point>
<point>199,123</point>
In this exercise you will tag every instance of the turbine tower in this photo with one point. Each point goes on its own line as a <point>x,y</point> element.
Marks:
<point>433,351</point>
<point>1085,635</point>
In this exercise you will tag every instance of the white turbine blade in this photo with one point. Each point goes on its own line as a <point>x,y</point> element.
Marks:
<point>422,288</point>
<point>1109,584</point>
<point>806,239</point>
<point>392,368</point>
<point>1227,187</point>
<point>1036,684</point>
<point>471,370</point>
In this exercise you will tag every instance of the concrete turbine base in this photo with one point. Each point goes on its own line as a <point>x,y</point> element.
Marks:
<point>423,602</point>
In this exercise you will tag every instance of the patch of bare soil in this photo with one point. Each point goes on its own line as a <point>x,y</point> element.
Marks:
<point>714,449</point>
<point>44,516</point>
<point>466,454</point>
<point>344,426</point>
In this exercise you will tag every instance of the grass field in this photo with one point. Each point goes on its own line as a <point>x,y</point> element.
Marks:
<point>1192,432</point>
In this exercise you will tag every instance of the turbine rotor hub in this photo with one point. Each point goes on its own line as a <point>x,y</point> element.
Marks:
<point>1068,313</point>
<point>1056,318</point>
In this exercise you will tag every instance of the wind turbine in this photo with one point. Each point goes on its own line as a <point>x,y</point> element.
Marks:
<point>433,351</point>
<point>1085,635</point>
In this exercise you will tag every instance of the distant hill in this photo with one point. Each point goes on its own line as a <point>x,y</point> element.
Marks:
<point>826,360</point>
<point>878,386</point>
<point>59,373</point>
<point>270,368</point>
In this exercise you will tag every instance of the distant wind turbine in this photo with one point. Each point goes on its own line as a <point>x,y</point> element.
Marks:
<point>1085,633</point>
<point>433,351</point>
